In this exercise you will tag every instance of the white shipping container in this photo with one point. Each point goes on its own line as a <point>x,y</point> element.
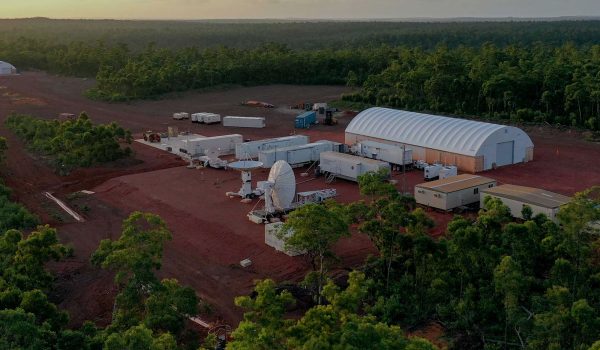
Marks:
<point>297,155</point>
<point>224,144</point>
<point>211,118</point>
<point>207,118</point>
<point>250,149</point>
<point>382,151</point>
<point>244,122</point>
<point>181,115</point>
<point>349,167</point>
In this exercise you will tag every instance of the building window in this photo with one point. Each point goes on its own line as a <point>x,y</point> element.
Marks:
<point>490,185</point>
<point>476,190</point>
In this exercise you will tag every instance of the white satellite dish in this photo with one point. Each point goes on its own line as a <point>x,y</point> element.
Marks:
<point>280,193</point>
<point>281,188</point>
<point>245,167</point>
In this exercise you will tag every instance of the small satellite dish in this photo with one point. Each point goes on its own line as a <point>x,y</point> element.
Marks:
<point>283,183</point>
<point>243,165</point>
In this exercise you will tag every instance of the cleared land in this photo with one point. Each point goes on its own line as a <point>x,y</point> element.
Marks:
<point>210,231</point>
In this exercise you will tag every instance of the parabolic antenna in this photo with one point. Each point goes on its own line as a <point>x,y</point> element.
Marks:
<point>243,165</point>
<point>283,184</point>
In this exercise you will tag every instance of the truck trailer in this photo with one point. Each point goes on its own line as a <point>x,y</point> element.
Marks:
<point>347,166</point>
<point>244,122</point>
<point>249,150</point>
<point>392,154</point>
<point>298,155</point>
<point>199,146</point>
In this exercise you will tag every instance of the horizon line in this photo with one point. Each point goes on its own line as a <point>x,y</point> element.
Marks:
<point>345,19</point>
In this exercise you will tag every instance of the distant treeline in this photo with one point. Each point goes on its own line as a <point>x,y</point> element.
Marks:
<point>529,82</point>
<point>536,84</point>
<point>302,34</point>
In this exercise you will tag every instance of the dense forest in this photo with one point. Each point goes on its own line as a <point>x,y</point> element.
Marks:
<point>298,34</point>
<point>72,143</point>
<point>522,71</point>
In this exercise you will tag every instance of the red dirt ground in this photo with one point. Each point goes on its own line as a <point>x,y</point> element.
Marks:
<point>210,231</point>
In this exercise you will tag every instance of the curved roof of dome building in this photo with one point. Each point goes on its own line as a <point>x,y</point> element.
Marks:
<point>454,135</point>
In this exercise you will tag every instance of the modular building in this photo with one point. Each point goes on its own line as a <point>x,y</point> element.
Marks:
<point>224,144</point>
<point>470,145</point>
<point>516,197</point>
<point>248,150</point>
<point>7,68</point>
<point>244,122</point>
<point>305,120</point>
<point>393,154</point>
<point>452,192</point>
<point>347,166</point>
<point>298,155</point>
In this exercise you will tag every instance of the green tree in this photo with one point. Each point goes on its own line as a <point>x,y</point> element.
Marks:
<point>375,184</point>
<point>24,258</point>
<point>139,338</point>
<point>511,284</point>
<point>315,229</point>
<point>134,257</point>
<point>340,324</point>
<point>19,330</point>
<point>168,307</point>
<point>263,326</point>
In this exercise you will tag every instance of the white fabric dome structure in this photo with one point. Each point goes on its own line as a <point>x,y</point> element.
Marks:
<point>7,68</point>
<point>470,145</point>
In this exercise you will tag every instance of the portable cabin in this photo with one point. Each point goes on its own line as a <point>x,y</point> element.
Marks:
<point>516,197</point>
<point>452,192</point>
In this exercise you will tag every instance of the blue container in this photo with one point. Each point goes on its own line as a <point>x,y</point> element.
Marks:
<point>305,120</point>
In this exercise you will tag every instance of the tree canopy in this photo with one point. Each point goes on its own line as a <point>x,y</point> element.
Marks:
<point>337,325</point>
<point>72,143</point>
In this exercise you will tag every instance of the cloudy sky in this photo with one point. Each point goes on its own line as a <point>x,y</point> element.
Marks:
<point>206,9</point>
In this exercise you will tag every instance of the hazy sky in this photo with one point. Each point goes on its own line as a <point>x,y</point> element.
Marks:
<point>205,9</point>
